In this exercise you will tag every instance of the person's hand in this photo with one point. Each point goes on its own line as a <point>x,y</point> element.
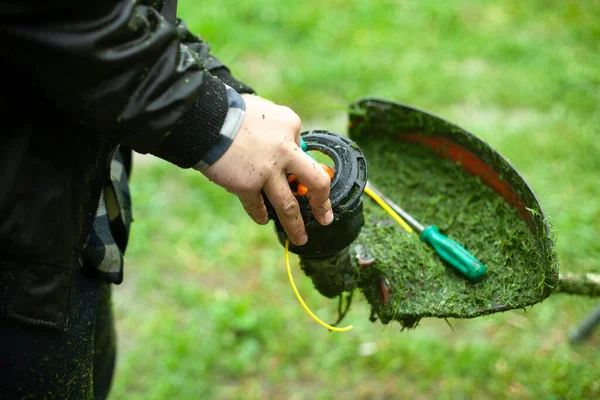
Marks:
<point>263,152</point>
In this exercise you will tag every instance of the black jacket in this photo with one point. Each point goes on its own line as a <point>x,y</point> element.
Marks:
<point>76,80</point>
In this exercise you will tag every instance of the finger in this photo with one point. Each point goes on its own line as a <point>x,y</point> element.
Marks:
<point>316,180</point>
<point>288,210</point>
<point>254,205</point>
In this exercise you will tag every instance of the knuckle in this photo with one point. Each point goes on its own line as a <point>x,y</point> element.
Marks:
<point>285,146</point>
<point>298,231</point>
<point>319,190</point>
<point>295,122</point>
<point>322,182</point>
<point>293,118</point>
<point>255,210</point>
<point>324,206</point>
<point>290,209</point>
<point>247,187</point>
<point>242,190</point>
<point>260,217</point>
<point>320,206</point>
<point>249,205</point>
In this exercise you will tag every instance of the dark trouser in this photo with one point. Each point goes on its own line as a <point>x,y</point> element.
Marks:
<point>78,363</point>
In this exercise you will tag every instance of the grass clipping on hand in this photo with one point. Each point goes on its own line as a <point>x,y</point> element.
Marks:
<point>436,191</point>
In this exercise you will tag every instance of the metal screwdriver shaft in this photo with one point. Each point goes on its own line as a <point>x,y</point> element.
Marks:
<point>405,216</point>
<point>450,251</point>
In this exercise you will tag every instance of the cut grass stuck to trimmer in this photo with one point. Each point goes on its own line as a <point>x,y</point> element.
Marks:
<point>408,280</point>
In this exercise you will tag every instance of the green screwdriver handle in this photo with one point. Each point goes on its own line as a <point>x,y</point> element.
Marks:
<point>454,254</point>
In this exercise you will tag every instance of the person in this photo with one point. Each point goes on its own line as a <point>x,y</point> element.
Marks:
<point>81,85</point>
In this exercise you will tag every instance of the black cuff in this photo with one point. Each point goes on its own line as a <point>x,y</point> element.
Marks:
<point>198,130</point>
<point>225,76</point>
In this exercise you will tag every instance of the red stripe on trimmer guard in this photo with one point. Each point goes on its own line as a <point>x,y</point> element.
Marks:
<point>474,166</point>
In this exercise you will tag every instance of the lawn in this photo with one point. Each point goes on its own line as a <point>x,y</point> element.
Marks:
<point>206,312</point>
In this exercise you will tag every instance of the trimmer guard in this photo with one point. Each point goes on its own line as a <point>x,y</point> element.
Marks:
<point>407,281</point>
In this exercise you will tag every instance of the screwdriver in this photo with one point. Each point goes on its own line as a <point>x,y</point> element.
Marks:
<point>448,250</point>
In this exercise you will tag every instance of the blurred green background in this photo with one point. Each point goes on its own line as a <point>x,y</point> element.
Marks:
<point>206,311</point>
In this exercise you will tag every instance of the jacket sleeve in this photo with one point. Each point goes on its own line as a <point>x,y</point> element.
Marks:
<point>211,63</point>
<point>121,70</point>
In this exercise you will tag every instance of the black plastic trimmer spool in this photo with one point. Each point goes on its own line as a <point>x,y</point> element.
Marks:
<point>325,258</point>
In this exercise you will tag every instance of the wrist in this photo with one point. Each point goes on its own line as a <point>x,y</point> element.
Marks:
<point>229,130</point>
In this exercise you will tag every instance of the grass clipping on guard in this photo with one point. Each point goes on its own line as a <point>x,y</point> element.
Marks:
<point>408,280</point>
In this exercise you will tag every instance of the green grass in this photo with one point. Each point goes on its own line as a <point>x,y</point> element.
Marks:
<point>206,311</point>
